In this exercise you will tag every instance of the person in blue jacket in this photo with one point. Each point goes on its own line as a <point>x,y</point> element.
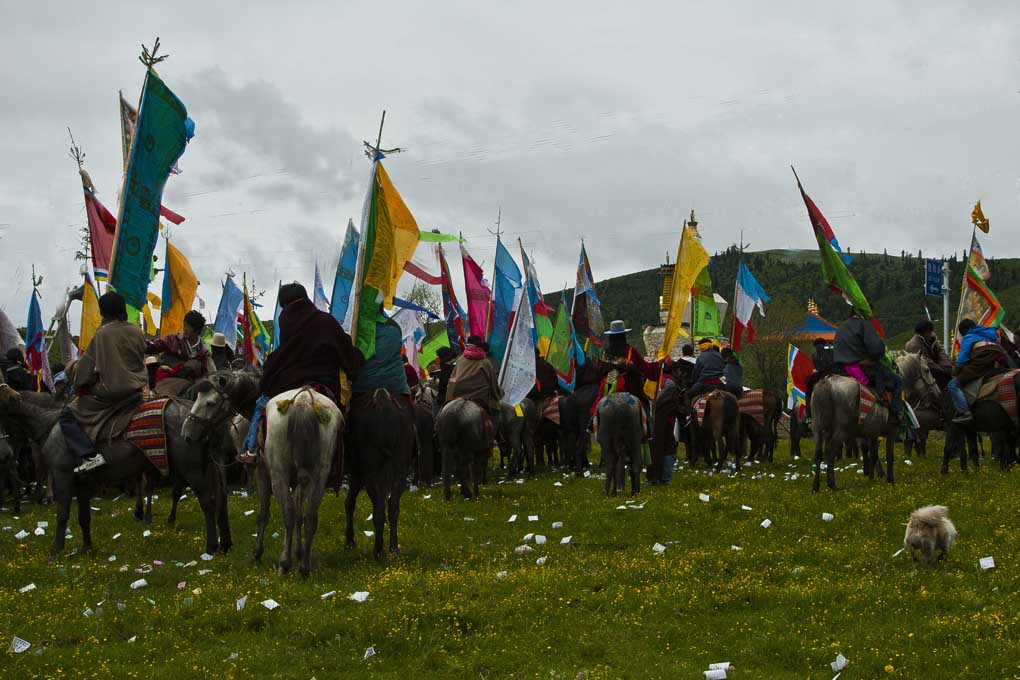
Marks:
<point>980,355</point>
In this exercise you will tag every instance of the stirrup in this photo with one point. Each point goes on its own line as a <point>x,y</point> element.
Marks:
<point>247,458</point>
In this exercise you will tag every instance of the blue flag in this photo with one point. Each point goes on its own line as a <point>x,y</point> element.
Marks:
<point>35,345</point>
<point>161,134</point>
<point>344,280</point>
<point>506,284</point>
<point>226,314</point>
<point>276,318</point>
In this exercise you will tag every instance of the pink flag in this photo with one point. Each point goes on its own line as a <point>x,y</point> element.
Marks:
<point>478,296</point>
<point>102,228</point>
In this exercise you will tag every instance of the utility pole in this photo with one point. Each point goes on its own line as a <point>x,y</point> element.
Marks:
<point>945,307</point>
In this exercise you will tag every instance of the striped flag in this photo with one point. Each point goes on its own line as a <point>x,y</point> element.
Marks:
<point>799,368</point>
<point>749,294</point>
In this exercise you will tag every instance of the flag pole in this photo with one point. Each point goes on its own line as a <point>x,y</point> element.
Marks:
<point>359,273</point>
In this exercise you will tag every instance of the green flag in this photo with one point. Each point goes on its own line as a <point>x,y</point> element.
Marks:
<point>431,348</point>
<point>704,311</point>
<point>162,133</point>
<point>562,347</point>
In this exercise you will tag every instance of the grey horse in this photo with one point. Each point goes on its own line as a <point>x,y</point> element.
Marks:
<point>9,472</point>
<point>924,396</point>
<point>465,446</point>
<point>125,463</point>
<point>517,433</point>
<point>835,402</point>
<point>619,435</point>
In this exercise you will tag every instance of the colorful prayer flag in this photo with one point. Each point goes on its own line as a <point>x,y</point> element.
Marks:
<point>389,238</point>
<point>517,374</point>
<point>453,313</point>
<point>318,292</point>
<point>343,280</point>
<point>35,342</point>
<point>834,264</point>
<point>799,368</point>
<point>704,310</point>
<point>505,295</point>
<point>563,348</point>
<point>226,314</point>
<point>977,301</point>
<point>90,317</point>
<point>478,294</point>
<point>749,294</point>
<point>128,120</point>
<point>586,309</point>
<point>540,311</point>
<point>256,339</point>
<point>977,216</point>
<point>179,287</point>
<point>164,126</point>
<point>102,230</point>
<point>691,258</point>
<point>276,318</point>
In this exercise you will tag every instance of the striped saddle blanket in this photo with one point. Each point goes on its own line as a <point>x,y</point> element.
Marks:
<point>866,404</point>
<point>552,410</point>
<point>1001,389</point>
<point>701,403</point>
<point>147,431</point>
<point>752,404</point>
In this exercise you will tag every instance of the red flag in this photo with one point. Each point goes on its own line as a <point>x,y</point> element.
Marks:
<point>102,229</point>
<point>170,215</point>
<point>479,296</point>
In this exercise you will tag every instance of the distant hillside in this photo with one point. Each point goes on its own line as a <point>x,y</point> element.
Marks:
<point>892,282</point>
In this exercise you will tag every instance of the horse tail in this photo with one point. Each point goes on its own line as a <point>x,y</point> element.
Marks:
<point>303,435</point>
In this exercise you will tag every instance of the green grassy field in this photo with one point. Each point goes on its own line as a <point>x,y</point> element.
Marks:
<point>460,603</point>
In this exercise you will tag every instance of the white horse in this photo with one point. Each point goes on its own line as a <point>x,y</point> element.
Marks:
<point>303,432</point>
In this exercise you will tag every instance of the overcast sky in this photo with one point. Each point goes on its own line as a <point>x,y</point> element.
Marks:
<point>595,120</point>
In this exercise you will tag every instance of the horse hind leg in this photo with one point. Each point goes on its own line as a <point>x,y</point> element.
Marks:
<point>350,502</point>
<point>286,500</point>
<point>264,492</point>
<point>311,522</point>
<point>394,516</point>
<point>378,497</point>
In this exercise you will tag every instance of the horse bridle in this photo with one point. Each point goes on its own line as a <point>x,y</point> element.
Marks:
<point>224,411</point>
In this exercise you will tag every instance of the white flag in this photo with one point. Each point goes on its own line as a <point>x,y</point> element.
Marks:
<point>518,374</point>
<point>321,301</point>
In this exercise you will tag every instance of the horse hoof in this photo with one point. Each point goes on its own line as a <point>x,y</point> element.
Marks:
<point>395,552</point>
<point>225,547</point>
<point>284,567</point>
<point>305,571</point>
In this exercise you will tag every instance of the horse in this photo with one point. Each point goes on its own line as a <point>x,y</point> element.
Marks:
<point>835,407</point>
<point>382,442</point>
<point>517,435</point>
<point>125,463</point>
<point>9,472</point>
<point>548,434</point>
<point>302,435</point>
<point>465,446</point>
<point>718,433</point>
<point>991,417</point>
<point>575,414</point>
<point>921,391</point>
<point>761,437</point>
<point>619,435</point>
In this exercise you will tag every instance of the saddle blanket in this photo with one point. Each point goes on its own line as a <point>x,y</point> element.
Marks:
<point>866,404</point>
<point>147,431</point>
<point>701,403</point>
<point>1002,390</point>
<point>595,416</point>
<point>552,410</point>
<point>751,404</point>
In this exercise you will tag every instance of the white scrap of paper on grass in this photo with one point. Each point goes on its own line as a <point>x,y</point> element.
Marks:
<point>427,496</point>
<point>42,525</point>
<point>840,663</point>
<point>907,461</point>
<point>827,516</point>
<point>557,525</point>
<point>721,666</point>
<point>270,604</point>
<point>500,575</point>
<point>539,539</point>
<point>513,518</point>
<point>658,548</point>
<point>746,507</point>
<point>987,562</point>
<point>18,645</point>
<point>621,507</point>
<point>241,601</point>
<point>541,560</point>
<point>565,540</point>
<point>359,596</point>
<point>557,483</point>
<point>39,531</point>
<point>116,536</point>
<point>370,652</point>
<point>898,552</point>
<point>132,638</point>
<point>370,516</point>
<point>735,547</point>
<point>469,519</point>
<point>30,587</point>
<point>766,523</point>
<point>139,584</point>
<point>205,557</point>
<point>369,534</point>
<point>528,537</point>
<point>328,596</point>
<point>704,497</point>
<point>249,513</point>
<point>522,549</point>
<point>146,533</point>
<point>111,558</point>
<point>715,674</point>
<point>532,518</point>
<point>22,535</point>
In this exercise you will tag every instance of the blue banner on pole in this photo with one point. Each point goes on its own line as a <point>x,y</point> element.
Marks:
<point>933,278</point>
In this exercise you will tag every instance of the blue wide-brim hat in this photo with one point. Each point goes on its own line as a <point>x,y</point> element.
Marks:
<point>616,328</point>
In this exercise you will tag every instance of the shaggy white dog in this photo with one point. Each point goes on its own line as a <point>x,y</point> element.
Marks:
<point>928,530</point>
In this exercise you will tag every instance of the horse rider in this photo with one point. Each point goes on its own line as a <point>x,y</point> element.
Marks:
<point>15,370</point>
<point>474,378</point>
<point>108,381</point>
<point>387,368</point>
<point>980,355</point>
<point>708,371</point>
<point>924,344</point>
<point>859,352</point>
<point>625,370</point>
<point>410,375</point>
<point>184,358</point>
<point>446,356</point>
<point>824,361</point>
<point>220,351</point>
<point>733,372</point>
<point>313,351</point>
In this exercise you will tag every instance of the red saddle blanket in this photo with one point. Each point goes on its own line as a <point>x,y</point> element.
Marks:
<point>1004,392</point>
<point>752,404</point>
<point>552,410</point>
<point>701,403</point>
<point>866,404</point>
<point>147,431</point>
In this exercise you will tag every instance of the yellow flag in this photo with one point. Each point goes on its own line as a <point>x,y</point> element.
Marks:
<point>977,216</point>
<point>179,287</point>
<point>396,237</point>
<point>691,258</point>
<point>90,318</point>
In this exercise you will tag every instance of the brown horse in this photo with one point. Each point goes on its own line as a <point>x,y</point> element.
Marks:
<point>718,433</point>
<point>761,436</point>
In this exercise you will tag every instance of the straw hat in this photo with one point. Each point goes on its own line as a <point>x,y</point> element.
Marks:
<point>218,340</point>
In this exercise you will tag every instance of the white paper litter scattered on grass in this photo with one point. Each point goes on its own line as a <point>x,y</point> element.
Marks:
<point>469,519</point>
<point>42,525</point>
<point>528,537</point>
<point>116,536</point>
<point>557,525</point>
<point>704,497</point>
<point>715,674</point>
<point>513,518</point>
<point>270,604</point>
<point>721,666</point>
<point>840,663</point>
<point>539,539</point>
<point>139,584</point>
<point>111,558</point>
<point>541,560</point>
<point>735,547</point>
<point>908,462</point>
<point>621,507</point>
<point>241,601</point>
<point>898,552</point>
<point>827,516</point>
<point>146,533</point>
<point>369,534</point>
<point>987,562</point>
<point>500,575</point>
<point>39,531</point>
<point>22,535</point>
<point>369,518</point>
<point>249,513</point>
<point>766,523</point>
<point>565,540</point>
<point>328,596</point>
<point>427,496</point>
<point>359,596</point>
<point>557,483</point>
<point>18,645</point>
<point>747,508</point>
<point>658,548</point>
<point>205,557</point>
<point>369,653</point>
<point>523,549</point>
<point>30,587</point>
<point>532,518</point>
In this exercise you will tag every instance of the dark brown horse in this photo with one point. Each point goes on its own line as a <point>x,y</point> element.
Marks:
<point>718,433</point>
<point>761,436</point>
